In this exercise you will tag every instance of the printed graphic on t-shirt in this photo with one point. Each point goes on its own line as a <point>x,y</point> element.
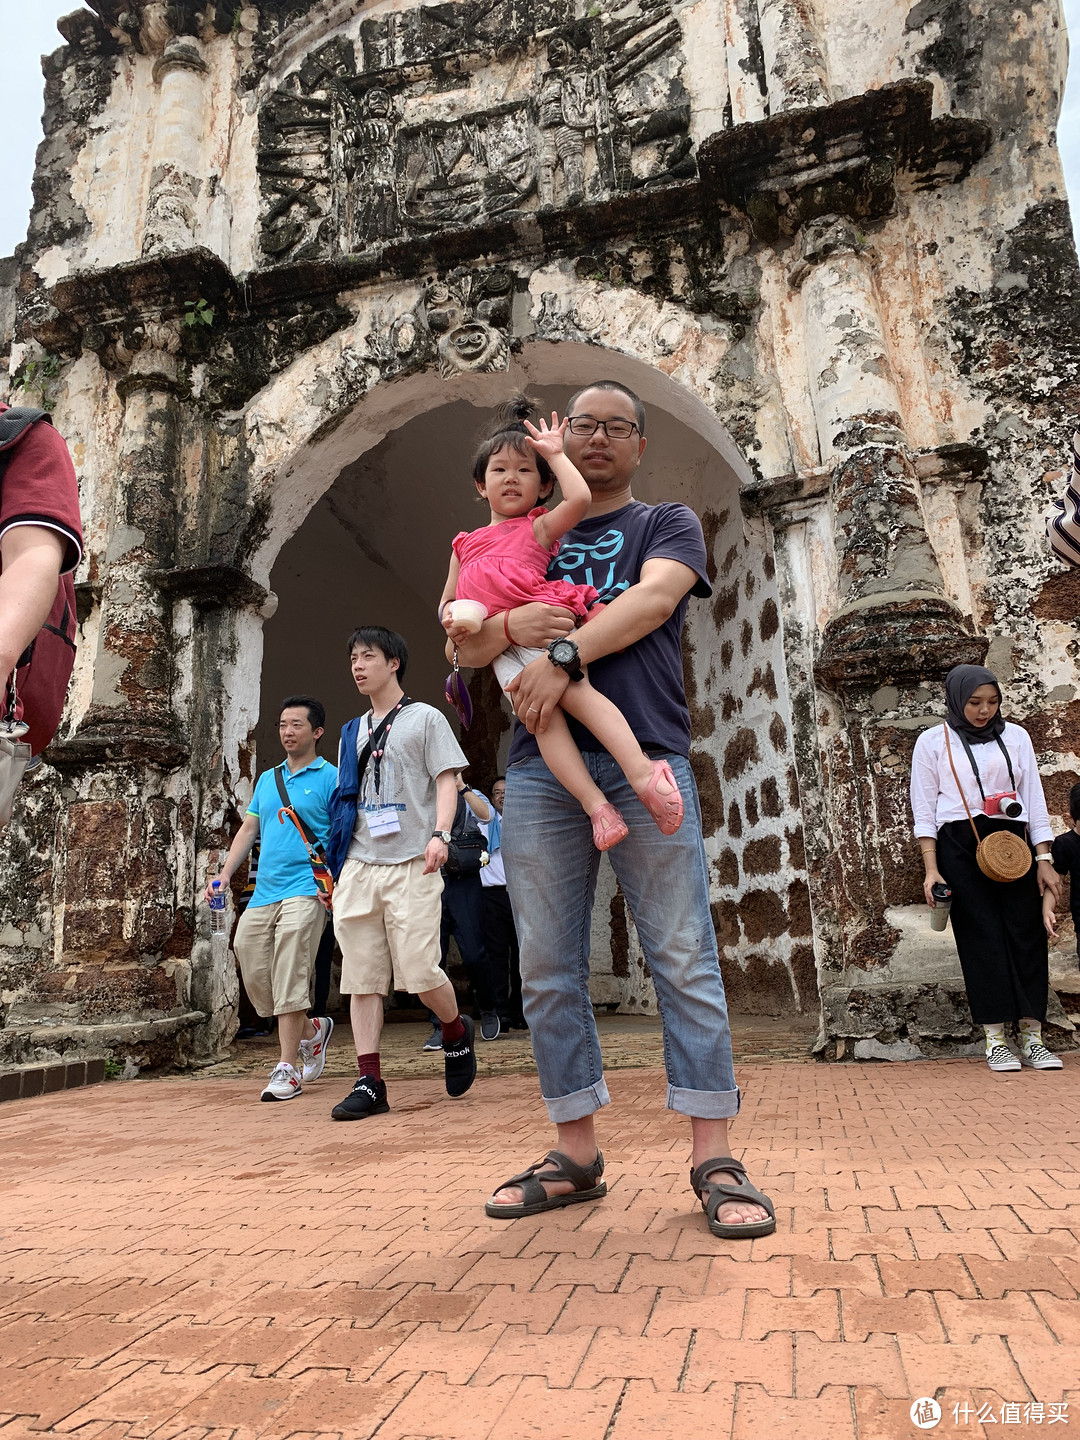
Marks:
<point>591,564</point>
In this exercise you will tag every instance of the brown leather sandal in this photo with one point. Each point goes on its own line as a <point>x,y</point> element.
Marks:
<point>535,1199</point>
<point>714,1193</point>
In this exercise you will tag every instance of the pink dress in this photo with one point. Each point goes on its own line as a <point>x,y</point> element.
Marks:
<point>504,565</point>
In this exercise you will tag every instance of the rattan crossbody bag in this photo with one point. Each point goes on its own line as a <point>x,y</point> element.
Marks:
<point>1001,855</point>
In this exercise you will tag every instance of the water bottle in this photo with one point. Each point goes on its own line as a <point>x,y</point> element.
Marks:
<point>219,920</point>
<point>939,916</point>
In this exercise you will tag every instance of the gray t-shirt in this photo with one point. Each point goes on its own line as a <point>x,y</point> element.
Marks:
<point>421,746</point>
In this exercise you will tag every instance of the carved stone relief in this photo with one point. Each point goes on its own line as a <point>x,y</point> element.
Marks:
<point>450,116</point>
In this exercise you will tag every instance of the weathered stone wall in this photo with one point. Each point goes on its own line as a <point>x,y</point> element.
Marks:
<point>830,241</point>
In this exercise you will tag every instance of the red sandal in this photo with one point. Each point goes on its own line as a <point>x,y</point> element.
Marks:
<point>666,810</point>
<point>608,827</point>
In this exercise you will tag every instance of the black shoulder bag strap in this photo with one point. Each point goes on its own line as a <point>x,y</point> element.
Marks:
<point>286,804</point>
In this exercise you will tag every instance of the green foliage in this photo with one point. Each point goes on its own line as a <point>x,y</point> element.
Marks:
<point>113,1069</point>
<point>36,377</point>
<point>198,312</point>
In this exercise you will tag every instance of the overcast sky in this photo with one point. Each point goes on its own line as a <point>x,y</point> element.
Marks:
<point>28,28</point>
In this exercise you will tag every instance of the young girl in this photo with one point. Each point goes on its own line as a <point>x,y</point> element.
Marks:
<point>505,565</point>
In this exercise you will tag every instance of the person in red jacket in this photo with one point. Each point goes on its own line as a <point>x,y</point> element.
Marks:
<point>40,546</point>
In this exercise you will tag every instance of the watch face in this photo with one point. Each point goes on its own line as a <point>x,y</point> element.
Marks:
<point>564,652</point>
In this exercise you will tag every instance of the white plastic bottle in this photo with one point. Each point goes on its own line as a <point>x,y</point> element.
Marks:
<point>219,913</point>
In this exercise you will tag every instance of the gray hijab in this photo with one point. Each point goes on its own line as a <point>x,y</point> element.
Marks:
<point>960,684</point>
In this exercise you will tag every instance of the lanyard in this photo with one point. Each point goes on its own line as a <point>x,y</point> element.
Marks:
<point>978,780</point>
<point>379,738</point>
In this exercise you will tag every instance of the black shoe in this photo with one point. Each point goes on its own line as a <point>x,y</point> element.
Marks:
<point>434,1040</point>
<point>490,1025</point>
<point>460,1059</point>
<point>367,1097</point>
<point>518,1022</point>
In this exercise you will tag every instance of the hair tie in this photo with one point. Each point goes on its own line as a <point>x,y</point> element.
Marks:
<point>506,627</point>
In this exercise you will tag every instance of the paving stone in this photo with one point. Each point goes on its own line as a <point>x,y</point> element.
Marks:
<point>901,1277</point>
<point>556,1358</point>
<point>648,1414</point>
<point>819,1313</point>
<point>717,1361</point>
<point>758,1414</point>
<point>660,1359</point>
<point>873,1362</point>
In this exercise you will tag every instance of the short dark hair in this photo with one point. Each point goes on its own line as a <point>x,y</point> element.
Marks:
<point>507,432</point>
<point>1074,802</point>
<point>388,641</point>
<point>635,400</point>
<point>316,711</point>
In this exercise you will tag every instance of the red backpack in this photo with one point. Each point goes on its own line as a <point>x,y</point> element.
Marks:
<point>38,688</point>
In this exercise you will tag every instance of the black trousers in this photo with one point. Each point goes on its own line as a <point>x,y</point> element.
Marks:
<point>463,918</point>
<point>998,928</point>
<point>324,958</point>
<point>502,949</point>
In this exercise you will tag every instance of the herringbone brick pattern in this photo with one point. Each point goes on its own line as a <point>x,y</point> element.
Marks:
<point>182,1262</point>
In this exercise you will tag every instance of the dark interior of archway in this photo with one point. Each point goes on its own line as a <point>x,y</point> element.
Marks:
<point>375,548</point>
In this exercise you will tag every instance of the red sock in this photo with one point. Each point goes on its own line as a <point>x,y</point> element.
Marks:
<point>453,1030</point>
<point>369,1065</point>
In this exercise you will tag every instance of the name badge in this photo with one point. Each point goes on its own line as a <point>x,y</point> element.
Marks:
<point>382,821</point>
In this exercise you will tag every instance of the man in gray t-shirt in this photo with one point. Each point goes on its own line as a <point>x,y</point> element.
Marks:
<point>388,898</point>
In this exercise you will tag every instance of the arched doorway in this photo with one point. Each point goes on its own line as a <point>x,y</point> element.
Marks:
<point>374,545</point>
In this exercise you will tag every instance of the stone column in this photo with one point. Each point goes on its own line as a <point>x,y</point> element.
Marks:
<point>892,630</point>
<point>795,68</point>
<point>893,614</point>
<point>130,712</point>
<point>171,222</point>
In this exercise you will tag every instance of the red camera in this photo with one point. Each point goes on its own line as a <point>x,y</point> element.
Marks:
<point>1003,803</point>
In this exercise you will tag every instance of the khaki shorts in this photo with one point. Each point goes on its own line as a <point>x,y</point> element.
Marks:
<point>387,920</point>
<point>276,947</point>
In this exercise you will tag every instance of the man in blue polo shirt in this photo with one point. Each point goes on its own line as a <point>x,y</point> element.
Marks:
<point>279,932</point>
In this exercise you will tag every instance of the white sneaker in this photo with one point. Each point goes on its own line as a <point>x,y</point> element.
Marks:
<point>313,1051</point>
<point>1039,1057</point>
<point>1002,1058</point>
<point>283,1084</point>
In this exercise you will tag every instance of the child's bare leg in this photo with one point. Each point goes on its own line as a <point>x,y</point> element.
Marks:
<point>563,759</point>
<point>607,722</point>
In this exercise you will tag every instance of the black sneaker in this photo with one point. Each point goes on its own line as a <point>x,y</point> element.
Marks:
<point>460,1059</point>
<point>367,1097</point>
<point>490,1025</point>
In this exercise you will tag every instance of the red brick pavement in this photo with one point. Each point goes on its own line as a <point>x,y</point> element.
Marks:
<point>179,1261</point>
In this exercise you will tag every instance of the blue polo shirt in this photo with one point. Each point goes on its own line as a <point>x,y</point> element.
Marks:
<point>284,867</point>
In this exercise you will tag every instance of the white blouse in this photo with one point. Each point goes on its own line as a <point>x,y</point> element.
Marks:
<point>935,799</point>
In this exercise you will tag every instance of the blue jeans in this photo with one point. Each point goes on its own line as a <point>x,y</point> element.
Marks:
<point>551,870</point>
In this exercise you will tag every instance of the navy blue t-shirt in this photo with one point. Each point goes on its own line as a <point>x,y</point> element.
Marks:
<point>645,681</point>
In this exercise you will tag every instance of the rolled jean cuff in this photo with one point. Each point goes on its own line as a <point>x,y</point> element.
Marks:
<point>704,1104</point>
<point>564,1108</point>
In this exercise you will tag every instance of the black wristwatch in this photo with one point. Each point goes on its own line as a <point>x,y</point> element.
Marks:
<point>564,654</point>
<point>443,835</point>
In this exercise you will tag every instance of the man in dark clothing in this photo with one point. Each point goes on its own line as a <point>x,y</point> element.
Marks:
<point>1065,852</point>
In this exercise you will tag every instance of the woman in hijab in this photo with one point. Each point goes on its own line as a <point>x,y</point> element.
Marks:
<point>999,929</point>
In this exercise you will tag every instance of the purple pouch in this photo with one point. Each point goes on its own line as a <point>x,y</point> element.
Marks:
<point>457,695</point>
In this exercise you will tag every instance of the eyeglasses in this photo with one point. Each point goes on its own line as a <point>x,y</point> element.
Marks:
<point>613,429</point>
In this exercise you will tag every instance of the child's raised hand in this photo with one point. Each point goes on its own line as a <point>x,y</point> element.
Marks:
<point>548,440</point>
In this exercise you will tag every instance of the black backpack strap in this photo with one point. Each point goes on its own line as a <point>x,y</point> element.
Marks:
<point>15,422</point>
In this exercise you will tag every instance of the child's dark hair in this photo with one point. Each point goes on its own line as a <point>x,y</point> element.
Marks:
<point>1074,802</point>
<point>508,430</point>
<point>377,637</point>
